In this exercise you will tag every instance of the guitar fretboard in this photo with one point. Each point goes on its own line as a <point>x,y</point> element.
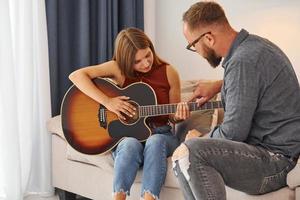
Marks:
<point>166,109</point>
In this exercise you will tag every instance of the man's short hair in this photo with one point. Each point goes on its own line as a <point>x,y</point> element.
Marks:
<point>204,13</point>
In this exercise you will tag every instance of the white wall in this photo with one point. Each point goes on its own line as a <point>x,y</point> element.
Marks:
<point>277,20</point>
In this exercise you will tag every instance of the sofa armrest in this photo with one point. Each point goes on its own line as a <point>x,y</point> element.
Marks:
<point>54,126</point>
<point>104,161</point>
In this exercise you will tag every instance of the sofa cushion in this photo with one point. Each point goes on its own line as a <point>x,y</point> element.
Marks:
<point>187,88</point>
<point>199,120</point>
<point>105,162</point>
<point>282,194</point>
<point>293,177</point>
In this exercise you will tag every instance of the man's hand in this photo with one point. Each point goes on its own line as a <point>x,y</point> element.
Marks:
<point>193,134</point>
<point>206,90</point>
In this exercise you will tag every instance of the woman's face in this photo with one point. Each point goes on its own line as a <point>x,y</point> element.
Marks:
<point>143,60</point>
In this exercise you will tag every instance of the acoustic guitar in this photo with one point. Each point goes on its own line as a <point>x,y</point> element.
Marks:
<point>92,129</point>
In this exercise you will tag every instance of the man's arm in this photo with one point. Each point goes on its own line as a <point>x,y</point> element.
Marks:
<point>241,90</point>
<point>206,90</point>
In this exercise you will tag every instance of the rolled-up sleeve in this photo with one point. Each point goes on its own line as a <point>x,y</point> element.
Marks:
<point>241,90</point>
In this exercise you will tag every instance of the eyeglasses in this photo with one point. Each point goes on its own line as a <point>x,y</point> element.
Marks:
<point>191,46</point>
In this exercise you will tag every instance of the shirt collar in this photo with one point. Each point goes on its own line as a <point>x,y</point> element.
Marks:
<point>241,36</point>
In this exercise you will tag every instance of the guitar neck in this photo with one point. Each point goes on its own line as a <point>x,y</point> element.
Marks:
<point>166,109</point>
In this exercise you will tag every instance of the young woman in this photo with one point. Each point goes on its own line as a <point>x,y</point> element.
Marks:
<point>135,60</point>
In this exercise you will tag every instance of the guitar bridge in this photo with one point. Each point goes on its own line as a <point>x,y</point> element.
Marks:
<point>102,117</point>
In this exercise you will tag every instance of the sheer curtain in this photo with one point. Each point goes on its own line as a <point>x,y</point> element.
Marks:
<point>24,100</point>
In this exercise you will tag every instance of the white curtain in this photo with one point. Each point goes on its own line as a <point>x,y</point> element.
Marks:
<point>24,100</point>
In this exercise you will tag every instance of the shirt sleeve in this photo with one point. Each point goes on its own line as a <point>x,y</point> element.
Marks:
<point>241,90</point>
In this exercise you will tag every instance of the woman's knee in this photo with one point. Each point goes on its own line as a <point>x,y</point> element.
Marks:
<point>156,140</point>
<point>130,145</point>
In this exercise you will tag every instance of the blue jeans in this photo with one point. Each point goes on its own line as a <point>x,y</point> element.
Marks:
<point>211,164</point>
<point>131,154</point>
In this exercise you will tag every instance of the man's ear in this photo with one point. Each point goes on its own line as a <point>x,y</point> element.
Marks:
<point>210,40</point>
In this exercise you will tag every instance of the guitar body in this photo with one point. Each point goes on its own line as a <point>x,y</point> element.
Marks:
<point>92,129</point>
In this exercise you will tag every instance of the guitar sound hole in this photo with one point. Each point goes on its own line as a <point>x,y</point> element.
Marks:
<point>131,120</point>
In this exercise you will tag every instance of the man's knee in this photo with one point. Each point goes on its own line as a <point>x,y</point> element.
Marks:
<point>181,161</point>
<point>180,152</point>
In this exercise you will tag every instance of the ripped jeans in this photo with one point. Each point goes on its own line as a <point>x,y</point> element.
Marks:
<point>210,164</point>
<point>131,154</point>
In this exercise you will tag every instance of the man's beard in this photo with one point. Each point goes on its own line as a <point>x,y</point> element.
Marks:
<point>211,56</point>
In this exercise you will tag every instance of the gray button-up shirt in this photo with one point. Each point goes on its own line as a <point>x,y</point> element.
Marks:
<point>261,96</point>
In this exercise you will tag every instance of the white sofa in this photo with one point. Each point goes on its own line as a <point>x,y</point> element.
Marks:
<point>91,175</point>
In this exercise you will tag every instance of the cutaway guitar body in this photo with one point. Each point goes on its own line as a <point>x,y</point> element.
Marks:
<point>92,129</point>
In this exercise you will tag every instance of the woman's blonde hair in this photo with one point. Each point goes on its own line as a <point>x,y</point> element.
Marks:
<point>127,43</point>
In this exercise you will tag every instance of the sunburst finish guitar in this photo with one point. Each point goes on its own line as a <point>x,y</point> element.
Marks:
<point>92,129</point>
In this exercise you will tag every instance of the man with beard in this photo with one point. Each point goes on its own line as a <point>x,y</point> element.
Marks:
<point>258,142</point>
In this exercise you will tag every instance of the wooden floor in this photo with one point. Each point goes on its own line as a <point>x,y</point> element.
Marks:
<point>36,197</point>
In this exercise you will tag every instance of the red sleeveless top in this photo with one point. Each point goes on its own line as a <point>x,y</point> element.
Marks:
<point>157,79</point>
